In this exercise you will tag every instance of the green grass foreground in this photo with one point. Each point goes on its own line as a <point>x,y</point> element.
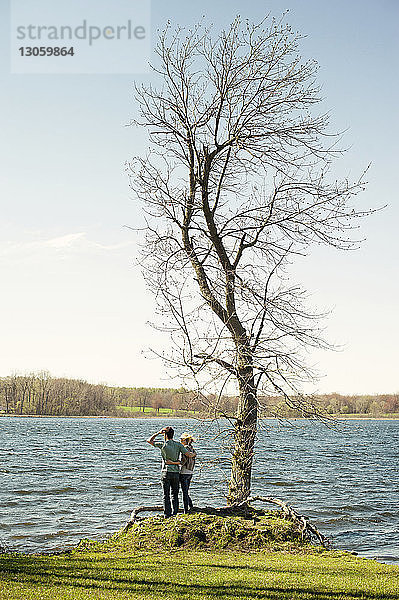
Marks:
<point>196,575</point>
<point>123,568</point>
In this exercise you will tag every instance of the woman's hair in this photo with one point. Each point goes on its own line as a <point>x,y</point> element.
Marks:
<point>187,437</point>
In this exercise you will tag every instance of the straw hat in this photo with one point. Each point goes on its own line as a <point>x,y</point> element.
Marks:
<point>187,437</point>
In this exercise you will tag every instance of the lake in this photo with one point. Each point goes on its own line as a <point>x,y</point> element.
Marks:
<point>63,479</point>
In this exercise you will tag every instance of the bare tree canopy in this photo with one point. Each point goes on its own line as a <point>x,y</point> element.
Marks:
<point>235,185</point>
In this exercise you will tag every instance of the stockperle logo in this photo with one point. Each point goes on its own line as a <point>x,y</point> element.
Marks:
<point>80,36</point>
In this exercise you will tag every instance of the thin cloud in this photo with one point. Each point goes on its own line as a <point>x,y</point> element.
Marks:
<point>64,241</point>
<point>71,243</point>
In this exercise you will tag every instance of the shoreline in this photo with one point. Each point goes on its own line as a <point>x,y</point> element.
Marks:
<point>360,417</point>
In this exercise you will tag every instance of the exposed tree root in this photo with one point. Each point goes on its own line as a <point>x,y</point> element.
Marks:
<point>308,531</point>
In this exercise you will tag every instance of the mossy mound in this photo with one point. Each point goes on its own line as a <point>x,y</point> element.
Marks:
<point>204,531</point>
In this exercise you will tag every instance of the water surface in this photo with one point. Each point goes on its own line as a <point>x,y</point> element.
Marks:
<point>63,479</point>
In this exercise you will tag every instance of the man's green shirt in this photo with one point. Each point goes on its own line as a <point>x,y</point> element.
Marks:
<point>170,450</point>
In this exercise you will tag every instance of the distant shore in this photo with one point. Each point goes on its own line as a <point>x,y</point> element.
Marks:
<point>352,417</point>
<point>142,416</point>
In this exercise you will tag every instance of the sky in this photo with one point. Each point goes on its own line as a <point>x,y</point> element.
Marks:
<point>73,300</point>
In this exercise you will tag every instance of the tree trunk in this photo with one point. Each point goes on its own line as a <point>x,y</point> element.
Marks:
<point>244,434</point>
<point>7,399</point>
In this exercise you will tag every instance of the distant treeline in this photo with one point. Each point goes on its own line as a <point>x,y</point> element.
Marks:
<point>42,394</point>
<point>338,404</point>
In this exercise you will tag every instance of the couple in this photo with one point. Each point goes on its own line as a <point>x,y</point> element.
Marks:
<point>171,475</point>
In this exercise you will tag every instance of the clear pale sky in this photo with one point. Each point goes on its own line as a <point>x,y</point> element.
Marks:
<point>72,301</point>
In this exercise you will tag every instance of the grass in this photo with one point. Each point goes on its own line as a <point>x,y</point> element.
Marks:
<point>183,565</point>
<point>196,575</point>
<point>367,416</point>
<point>147,409</point>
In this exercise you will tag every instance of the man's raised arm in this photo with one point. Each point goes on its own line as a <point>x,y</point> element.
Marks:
<point>151,440</point>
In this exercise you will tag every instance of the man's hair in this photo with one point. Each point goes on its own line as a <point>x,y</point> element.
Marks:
<point>169,432</point>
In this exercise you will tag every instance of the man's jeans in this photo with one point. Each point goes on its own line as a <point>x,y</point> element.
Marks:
<point>185,480</point>
<point>170,481</point>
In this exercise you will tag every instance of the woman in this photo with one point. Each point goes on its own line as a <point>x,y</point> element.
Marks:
<point>186,471</point>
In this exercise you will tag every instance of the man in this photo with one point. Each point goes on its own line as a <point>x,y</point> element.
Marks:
<point>170,451</point>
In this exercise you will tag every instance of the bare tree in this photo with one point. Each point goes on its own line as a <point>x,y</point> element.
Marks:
<point>236,184</point>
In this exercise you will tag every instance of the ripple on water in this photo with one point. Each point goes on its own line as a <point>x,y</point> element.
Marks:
<point>10,503</point>
<point>384,558</point>
<point>47,492</point>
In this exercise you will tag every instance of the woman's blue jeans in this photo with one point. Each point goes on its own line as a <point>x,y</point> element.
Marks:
<point>185,481</point>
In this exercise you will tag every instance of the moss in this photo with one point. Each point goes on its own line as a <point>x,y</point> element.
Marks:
<point>204,531</point>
